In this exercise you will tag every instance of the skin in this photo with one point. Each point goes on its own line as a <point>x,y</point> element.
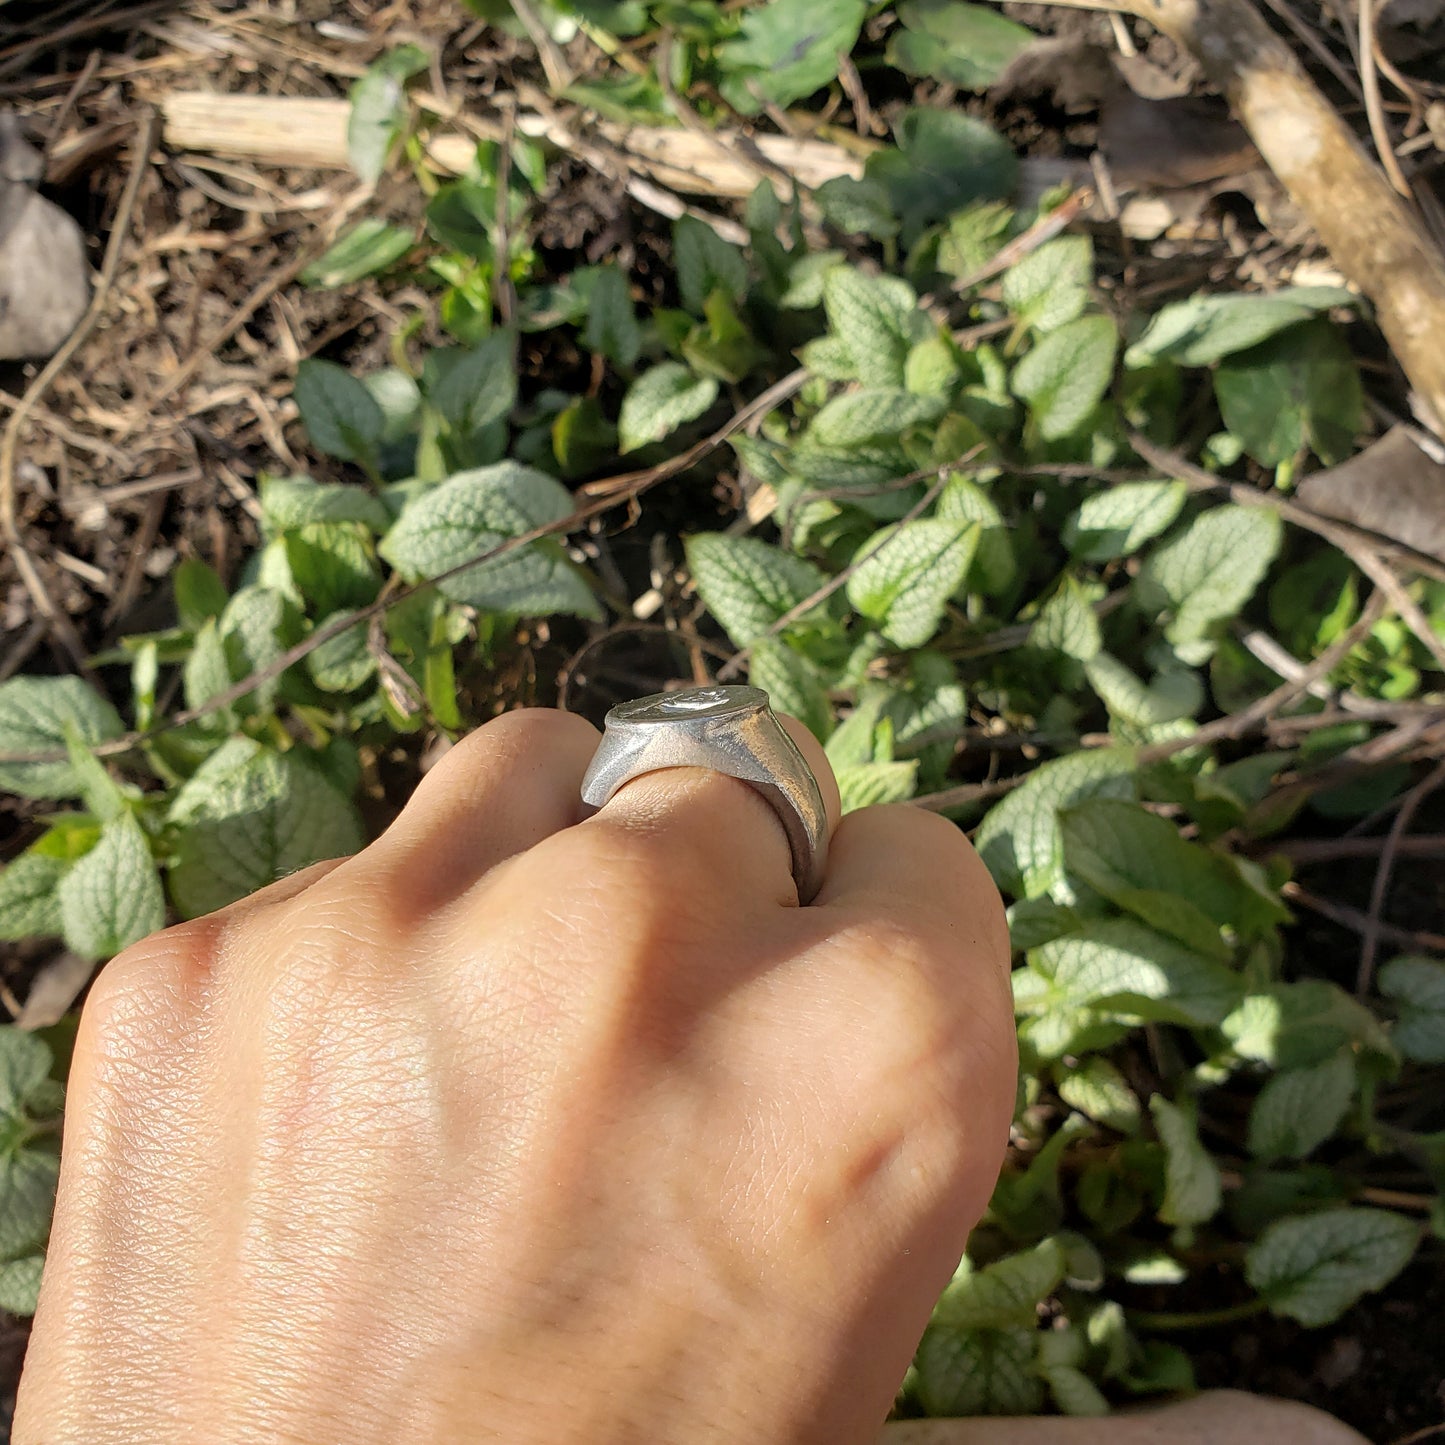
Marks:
<point>514,1127</point>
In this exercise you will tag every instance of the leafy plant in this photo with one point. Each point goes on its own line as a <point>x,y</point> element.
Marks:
<point>958,552</point>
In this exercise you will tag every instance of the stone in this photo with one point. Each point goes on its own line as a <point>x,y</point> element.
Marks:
<point>1216,1417</point>
<point>44,274</point>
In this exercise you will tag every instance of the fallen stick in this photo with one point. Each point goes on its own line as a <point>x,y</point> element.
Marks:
<point>295,131</point>
<point>1369,230</point>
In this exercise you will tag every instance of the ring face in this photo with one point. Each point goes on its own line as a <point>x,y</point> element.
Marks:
<point>731,730</point>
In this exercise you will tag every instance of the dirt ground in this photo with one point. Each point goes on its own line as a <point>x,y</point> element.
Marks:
<point>147,447</point>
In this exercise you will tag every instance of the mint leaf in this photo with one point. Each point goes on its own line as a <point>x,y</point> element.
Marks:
<point>1123,966</point>
<point>1020,840</point>
<point>477,385</point>
<point>1005,1294</point>
<point>199,591</point>
<point>1174,694</point>
<point>994,564</point>
<point>1064,377</point>
<point>1097,1089</point>
<point>20,1284</point>
<point>1295,1025</point>
<point>378,110</point>
<point>978,1372</point>
<point>1066,622</point>
<point>748,584</point>
<point>612,327</point>
<point>370,246</point>
<point>706,263</point>
<point>662,399</point>
<point>1301,388</point>
<point>1205,329</point>
<point>1050,286</point>
<point>1210,570</point>
<point>27,1197</point>
<point>1315,1266</point>
<point>966,45</point>
<point>862,785</point>
<point>1416,986</point>
<point>905,575</point>
<point>29,907</point>
<point>475,511</point>
<point>291,502</point>
<point>792,682</point>
<point>35,713</point>
<point>112,896</point>
<point>248,817</point>
<point>1118,522</point>
<point>1298,1109</point>
<point>25,1062</point>
<point>787,50</point>
<point>340,415</point>
<point>860,416</point>
<point>1192,1187</point>
<point>877,319</point>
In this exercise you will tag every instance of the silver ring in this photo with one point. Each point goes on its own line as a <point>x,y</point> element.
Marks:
<point>731,730</point>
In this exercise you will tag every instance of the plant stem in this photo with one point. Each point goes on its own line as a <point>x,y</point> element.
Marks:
<point>1196,1319</point>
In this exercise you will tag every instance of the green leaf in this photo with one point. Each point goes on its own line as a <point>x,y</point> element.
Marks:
<point>198,589</point>
<point>1119,848</point>
<point>248,817</point>
<point>206,673</point>
<point>27,1196</point>
<point>706,263</point>
<point>1416,986</point>
<point>858,207</point>
<point>787,50</point>
<point>792,682</point>
<point>612,328</point>
<point>1066,622</point>
<point>256,627</point>
<point>1097,1089</point>
<point>1301,388</point>
<point>661,400</point>
<point>722,347</point>
<point>35,713</point>
<point>1298,1109</point>
<point>20,1284</point>
<point>748,584</point>
<point>378,110</point>
<point>945,161</point>
<point>1207,573</point>
<point>1205,329</point>
<point>476,511</point>
<point>365,249</point>
<point>933,368</point>
<point>1192,1187</point>
<point>1296,1025</point>
<point>1128,968</point>
<point>345,662</point>
<point>862,785</point>
<point>29,907</point>
<point>478,385</point>
<point>1118,522</point>
<point>1315,1266</point>
<point>333,565</point>
<point>340,415</point>
<point>875,412</point>
<point>1172,696</point>
<point>966,45</point>
<point>994,564</point>
<point>1020,840</point>
<point>877,319</point>
<point>905,575</point>
<point>25,1062</point>
<point>1074,1392</point>
<point>112,897</point>
<point>1005,1294</point>
<point>291,502</point>
<point>1064,377</point>
<point>978,1372</point>
<point>1050,287</point>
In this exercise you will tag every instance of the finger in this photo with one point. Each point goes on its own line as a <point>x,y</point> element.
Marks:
<point>905,863</point>
<point>713,833</point>
<point>497,793</point>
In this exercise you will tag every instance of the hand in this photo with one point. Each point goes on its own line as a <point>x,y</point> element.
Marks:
<point>517,1128</point>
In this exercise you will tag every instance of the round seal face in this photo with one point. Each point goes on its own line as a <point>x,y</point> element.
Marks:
<point>692,704</point>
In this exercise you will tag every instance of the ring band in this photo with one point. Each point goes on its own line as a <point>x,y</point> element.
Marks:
<point>731,730</point>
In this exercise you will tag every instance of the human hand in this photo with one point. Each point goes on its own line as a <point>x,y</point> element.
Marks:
<point>518,1128</point>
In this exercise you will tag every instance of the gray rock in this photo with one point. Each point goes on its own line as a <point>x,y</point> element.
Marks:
<point>44,275</point>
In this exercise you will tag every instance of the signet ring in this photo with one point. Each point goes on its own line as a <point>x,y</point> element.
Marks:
<point>731,730</point>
